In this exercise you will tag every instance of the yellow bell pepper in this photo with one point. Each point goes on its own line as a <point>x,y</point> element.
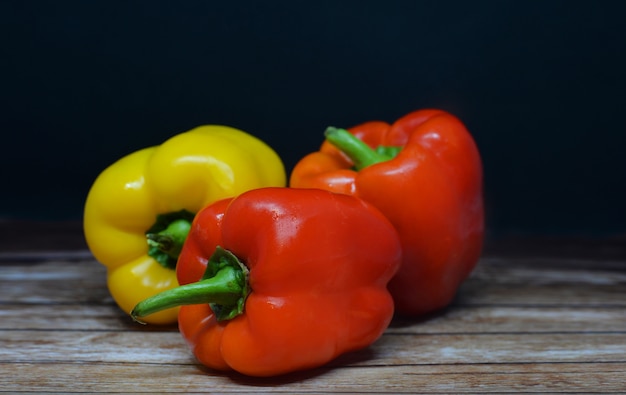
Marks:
<point>139,209</point>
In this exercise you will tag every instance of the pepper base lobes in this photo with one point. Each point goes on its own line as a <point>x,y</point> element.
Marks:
<point>186,172</point>
<point>431,191</point>
<point>319,264</point>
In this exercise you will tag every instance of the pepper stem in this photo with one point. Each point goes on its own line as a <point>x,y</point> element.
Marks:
<point>361,154</point>
<point>166,237</point>
<point>224,286</point>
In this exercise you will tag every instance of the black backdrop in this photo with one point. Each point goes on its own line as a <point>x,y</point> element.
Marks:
<point>541,85</point>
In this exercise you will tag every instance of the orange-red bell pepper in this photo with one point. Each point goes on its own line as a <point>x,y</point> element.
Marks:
<point>282,280</point>
<point>424,173</point>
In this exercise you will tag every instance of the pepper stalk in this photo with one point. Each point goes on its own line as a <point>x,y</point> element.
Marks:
<point>224,286</point>
<point>361,154</point>
<point>166,237</point>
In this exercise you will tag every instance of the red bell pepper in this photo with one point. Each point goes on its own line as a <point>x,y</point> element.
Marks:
<point>292,279</point>
<point>424,173</point>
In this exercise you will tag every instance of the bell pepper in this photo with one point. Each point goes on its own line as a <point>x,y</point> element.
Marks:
<point>279,279</point>
<point>424,172</point>
<point>139,209</point>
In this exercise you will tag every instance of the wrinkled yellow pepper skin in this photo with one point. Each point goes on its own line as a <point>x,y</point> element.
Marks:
<point>187,172</point>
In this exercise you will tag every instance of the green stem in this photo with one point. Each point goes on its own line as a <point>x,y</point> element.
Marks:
<point>224,287</point>
<point>171,239</point>
<point>361,154</point>
<point>166,237</point>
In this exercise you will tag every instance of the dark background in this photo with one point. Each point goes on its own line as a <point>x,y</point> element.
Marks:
<point>540,84</point>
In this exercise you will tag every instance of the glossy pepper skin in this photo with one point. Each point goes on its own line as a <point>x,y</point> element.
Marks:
<point>431,190</point>
<point>319,264</point>
<point>176,179</point>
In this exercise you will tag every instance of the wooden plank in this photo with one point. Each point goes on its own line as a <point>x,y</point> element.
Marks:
<point>539,271</point>
<point>391,349</point>
<point>456,319</point>
<point>53,281</point>
<point>491,294</point>
<point>83,317</point>
<point>524,282</point>
<point>460,378</point>
<point>545,282</point>
<point>93,346</point>
<point>513,319</point>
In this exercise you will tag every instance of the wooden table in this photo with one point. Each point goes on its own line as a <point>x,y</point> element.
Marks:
<point>536,316</point>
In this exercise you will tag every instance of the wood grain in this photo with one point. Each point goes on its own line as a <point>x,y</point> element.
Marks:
<point>524,323</point>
